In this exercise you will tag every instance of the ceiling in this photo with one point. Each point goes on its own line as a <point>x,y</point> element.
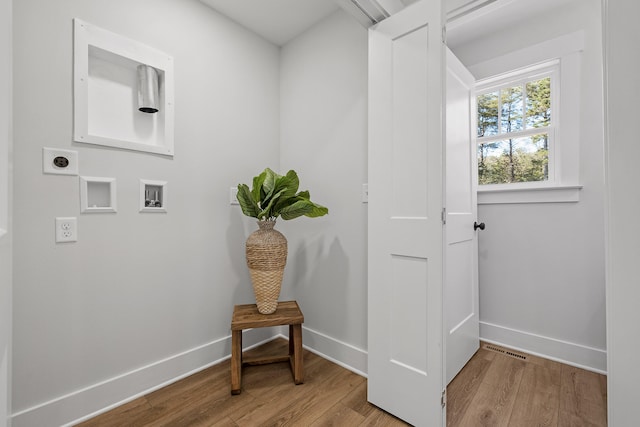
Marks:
<point>480,22</point>
<point>275,20</point>
<point>282,20</point>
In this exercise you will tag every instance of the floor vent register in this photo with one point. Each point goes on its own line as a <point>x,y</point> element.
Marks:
<point>505,351</point>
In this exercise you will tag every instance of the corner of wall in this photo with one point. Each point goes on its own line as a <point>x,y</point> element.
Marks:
<point>6,207</point>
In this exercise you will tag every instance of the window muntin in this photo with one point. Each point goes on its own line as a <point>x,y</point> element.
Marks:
<point>516,116</point>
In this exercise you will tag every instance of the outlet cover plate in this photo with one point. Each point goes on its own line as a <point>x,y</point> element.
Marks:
<point>48,166</point>
<point>66,229</point>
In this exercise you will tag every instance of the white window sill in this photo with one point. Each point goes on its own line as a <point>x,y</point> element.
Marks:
<point>555,194</point>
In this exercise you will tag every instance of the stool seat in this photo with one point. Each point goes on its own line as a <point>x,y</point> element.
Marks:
<point>246,316</point>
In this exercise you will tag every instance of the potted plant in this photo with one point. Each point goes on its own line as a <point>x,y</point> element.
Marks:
<point>272,196</point>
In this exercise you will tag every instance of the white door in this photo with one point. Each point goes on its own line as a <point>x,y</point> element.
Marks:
<point>405,305</point>
<point>461,251</point>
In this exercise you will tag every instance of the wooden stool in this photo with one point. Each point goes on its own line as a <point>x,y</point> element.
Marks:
<point>246,317</point>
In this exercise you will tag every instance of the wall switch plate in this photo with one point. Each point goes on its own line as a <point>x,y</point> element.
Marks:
<point>365,193</point>
<point>59,162</point>
<point>233,196</point>
<point>66,229</point>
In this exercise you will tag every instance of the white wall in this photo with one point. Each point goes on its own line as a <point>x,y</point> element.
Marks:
<point>623,175</point>
<point>324,138</point>
<point>141,298</point>
<point>5,211</point>
<point>542,265</point>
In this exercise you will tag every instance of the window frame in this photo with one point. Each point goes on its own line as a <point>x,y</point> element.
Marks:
<point>567,50</point>
<point>520,78</point>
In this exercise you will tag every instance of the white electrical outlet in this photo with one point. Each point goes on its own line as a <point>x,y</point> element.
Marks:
<point>66,229</point>
<point>233,196</point>
<point>59,162</point>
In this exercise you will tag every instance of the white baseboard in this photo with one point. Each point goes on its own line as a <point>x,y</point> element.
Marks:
<point>101,397</point>
<point>340,353</point>
<point>581,356</point>
<point>95,399</point>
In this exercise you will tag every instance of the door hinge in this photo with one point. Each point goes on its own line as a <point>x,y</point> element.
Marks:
<point>443,398</point>
<point>444,34</point>
<point>444,216</point>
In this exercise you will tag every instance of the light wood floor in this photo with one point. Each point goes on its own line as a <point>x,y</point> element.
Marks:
<point>492,390</point>
<point>495,389</point>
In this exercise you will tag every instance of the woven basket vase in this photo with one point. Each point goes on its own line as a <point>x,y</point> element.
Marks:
<point>266,257</point>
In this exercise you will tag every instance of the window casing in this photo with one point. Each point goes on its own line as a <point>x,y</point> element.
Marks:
<point>563,185</point>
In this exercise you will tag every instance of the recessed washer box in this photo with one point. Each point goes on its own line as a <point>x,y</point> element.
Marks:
<point>111,74</point>
<point>154,196</point>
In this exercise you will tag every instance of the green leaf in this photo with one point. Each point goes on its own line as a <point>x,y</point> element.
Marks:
<point>248,205</point>
<point>287,187</point>
<point>299,208</point>
<point>258,182</point>
<point>289,183</point>
<point>283,202</point>
<point>317,210</point>
<point>269,184</point>
<point>304,195</point>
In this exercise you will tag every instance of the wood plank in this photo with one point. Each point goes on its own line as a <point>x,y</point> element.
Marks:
<point>296,359</point>
<point>553,366</point>
<point>327,395</point>
<point>258,361</point>
<point>273,409</point>
<point>246,316</point>
<point>357,401</point>
<point>206,413</point>
<point>568,419</point>
<point>120,416</point>
<point>236,362</point>
<point>493,402</point>
<point>504,369</point>
<point>189,404</point>
<point>581,396</point>
<point>603,390</point>
<point>485,354</point>
<point>339,415</point>
<point>538,399</point>
<point>225,422</point>
<point>464,386</point>
<point>380,418</point>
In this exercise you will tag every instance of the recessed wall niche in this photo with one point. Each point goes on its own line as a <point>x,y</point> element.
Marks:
<point>97,194</point>
<point>123,92</point>
<point>153,196</point>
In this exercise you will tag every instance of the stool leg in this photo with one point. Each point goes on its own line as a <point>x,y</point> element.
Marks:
<point>236,361</point>
<point>298,371</point>
<point>291,340</point>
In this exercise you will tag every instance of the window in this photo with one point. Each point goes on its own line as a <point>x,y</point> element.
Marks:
<point>516,117</point>
<point>517,122</point>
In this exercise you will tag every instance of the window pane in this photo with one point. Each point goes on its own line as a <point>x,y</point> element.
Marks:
<point>488,114</point>
<point>511,109</point>
<point>514,160</point>
<point>539,103</point>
